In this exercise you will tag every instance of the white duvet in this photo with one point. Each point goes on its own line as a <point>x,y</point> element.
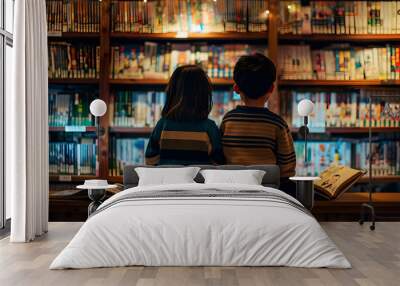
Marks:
<point>200,231</point>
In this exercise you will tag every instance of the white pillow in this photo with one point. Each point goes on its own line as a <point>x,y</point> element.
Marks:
<point>166,176</point>
<point>248,177</point>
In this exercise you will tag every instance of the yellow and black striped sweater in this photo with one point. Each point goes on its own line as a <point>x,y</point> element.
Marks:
<point>184,143</point>
<point>253,135</point>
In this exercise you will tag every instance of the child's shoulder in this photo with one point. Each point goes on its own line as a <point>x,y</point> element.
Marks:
<point>209,123</point>
<point>261,113</point>
<point>279,119</point>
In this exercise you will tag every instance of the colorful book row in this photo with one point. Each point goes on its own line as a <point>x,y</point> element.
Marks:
<point>125,151</point>
<point>143,109</point>
<point>321,155</point>
<point>385,157</point>
<point>135,109</point>
<point>339,62</point>
<point>339,17</point>
<point>73,158</point>
<point>73,16</point>
<point>158,61</point>
<point>343,109</point>
<point>67,108</point>
<point>68,60</point>
<point>194,16</point>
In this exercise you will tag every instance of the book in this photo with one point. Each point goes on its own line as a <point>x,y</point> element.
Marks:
<point>191,16</point>
<point>339,62</point>
<point>143,108</point>
<point>73,155</point>
<point>70,107</point>
<point>72,16</point>
<point>339,17</point>
<point>343,109</point>
<point>158,60</point>
<point>335,180</point>
<point>72,60</point>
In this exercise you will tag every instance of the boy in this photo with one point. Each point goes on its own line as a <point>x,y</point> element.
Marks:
<point>251,133</point>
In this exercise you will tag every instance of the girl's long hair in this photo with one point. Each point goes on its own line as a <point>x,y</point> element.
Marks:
<point>189,95</point>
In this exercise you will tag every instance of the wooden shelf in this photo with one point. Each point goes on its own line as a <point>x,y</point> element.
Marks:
<point>73,35</point>
<point>131,130</point>
<point>352,130</point>
<point>62,129</point>
<point>333,83</point>
<point>70,178</point>
<point>147,81</point>
<point>115,179</point>
<point>348,206</point>
<point>380,179</point>
<point>223,36</point>
<point>363,197</point>
<point>340,38</point>
<point>73,81</point>
<point>225,81</point>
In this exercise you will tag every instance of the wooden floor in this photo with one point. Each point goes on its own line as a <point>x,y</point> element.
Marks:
<point>375,257</point>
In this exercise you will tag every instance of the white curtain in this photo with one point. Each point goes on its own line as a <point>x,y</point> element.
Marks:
<point>27,124</point>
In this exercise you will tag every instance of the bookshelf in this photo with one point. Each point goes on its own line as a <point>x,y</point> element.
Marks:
<point>163,82</point>
<point>354,130</point>
<point>73,81</point>
<point>75,129</point>
<point>104,85</point>
<point>73,35</point>
<point>318,38</point>
<point>341,83</point>
<point>69,178</point>
<point>131,130</point>
<point>214,36</point>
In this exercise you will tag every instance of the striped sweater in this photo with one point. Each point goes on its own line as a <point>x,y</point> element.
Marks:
<point>184,143</point>
<point>253,135</point>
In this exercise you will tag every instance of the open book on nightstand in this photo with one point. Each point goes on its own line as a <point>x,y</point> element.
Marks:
<point>336,180</point>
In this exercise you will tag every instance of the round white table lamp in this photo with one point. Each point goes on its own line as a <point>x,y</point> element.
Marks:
<point>305,107</point>
<point>98,108</point>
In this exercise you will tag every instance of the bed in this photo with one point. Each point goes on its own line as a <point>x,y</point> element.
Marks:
<point>197,224</point>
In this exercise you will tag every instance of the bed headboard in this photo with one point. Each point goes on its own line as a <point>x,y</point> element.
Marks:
<point>271,177</point>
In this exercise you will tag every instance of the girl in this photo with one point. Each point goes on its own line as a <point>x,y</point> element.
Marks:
<point>184,135</point>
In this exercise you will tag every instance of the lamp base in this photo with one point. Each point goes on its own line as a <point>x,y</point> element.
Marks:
<point>97,196</point>
<point>303,131</point>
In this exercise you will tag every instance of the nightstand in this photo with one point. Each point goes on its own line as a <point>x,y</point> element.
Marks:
<point>96,192</point>
<point>305,190</point>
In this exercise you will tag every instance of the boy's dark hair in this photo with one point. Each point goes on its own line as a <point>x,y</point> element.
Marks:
<point>189,94</point>
<point>254,75</point>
